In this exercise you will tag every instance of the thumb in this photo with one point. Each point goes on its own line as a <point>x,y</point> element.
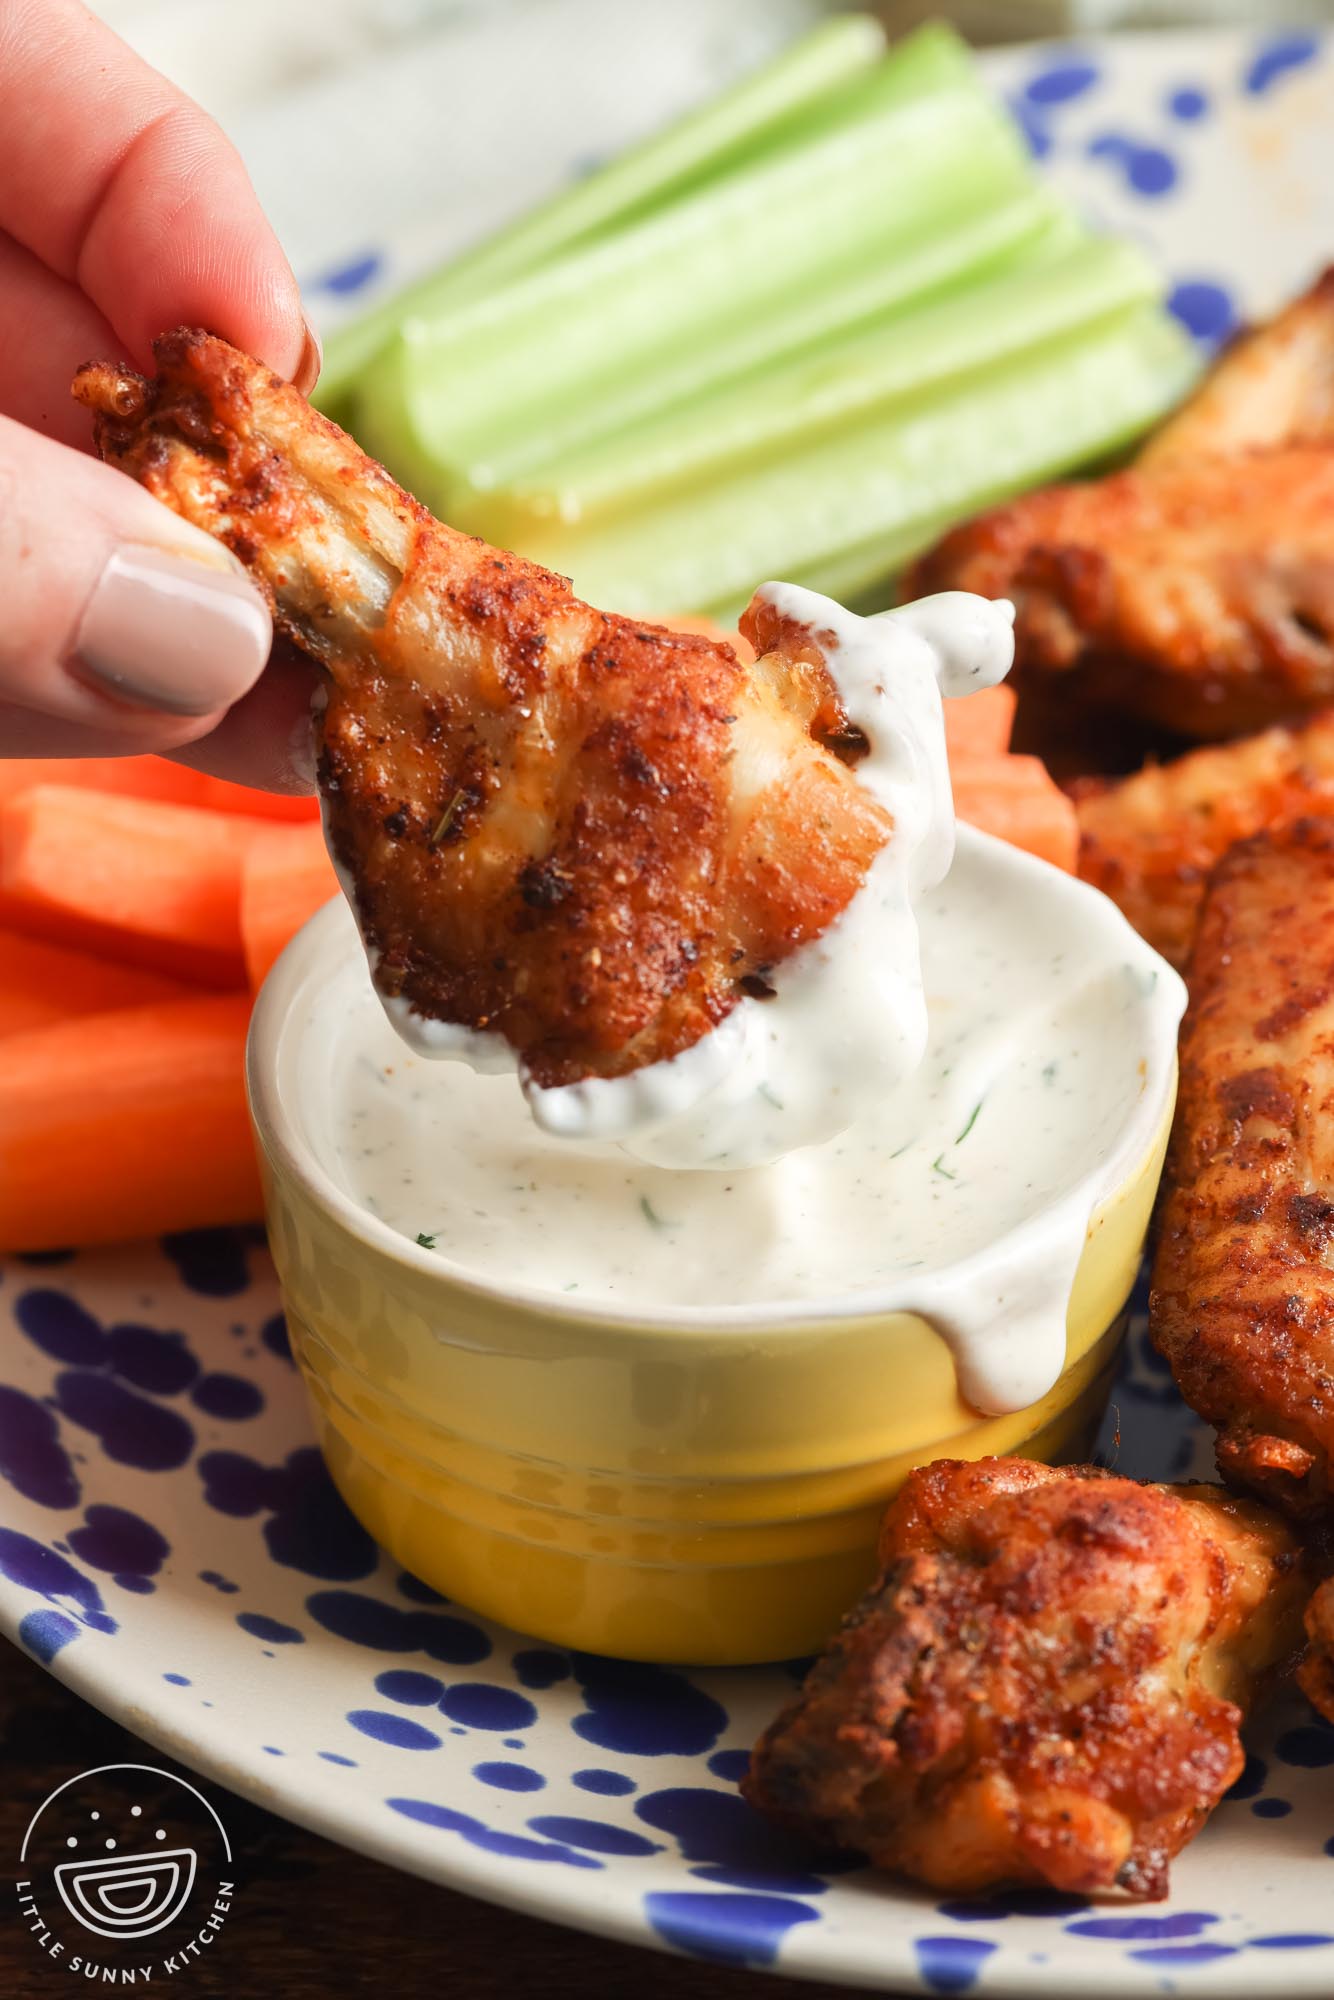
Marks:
<point>125,628</point>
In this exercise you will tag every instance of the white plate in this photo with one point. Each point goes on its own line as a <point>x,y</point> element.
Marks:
<point>174,1551</point>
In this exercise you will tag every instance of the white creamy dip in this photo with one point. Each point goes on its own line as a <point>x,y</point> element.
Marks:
<point>1046,1077</point>
<point>847,1023</point>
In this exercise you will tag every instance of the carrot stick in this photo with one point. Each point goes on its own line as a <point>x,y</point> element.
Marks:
<point>153,778</point>
<point>980,725</point>
<point>1016,798</point>
<point>41,983</point>
<point>286,877</point>
<point>126,1124</point>
<point>136,880</point>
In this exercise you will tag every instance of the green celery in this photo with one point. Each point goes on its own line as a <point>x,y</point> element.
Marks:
<point>627,304</point>
<point>923,254</point>
<point>863,578</point>
<point>975,441</point>
<point>702,142</point>
<point>848,380</point>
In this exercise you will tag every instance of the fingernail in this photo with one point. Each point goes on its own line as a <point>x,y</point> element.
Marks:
<point>165,631</point>
<point>311,362</point>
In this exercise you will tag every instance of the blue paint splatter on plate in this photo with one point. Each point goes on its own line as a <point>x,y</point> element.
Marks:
<point>508,1777</point>
<point>513,1846</point>
<point>951,1964</point>
<point>1277,58</point>
<point>1149,170</point>
<point>1062,81</point>
<point>387,1727</point>
<point>727,1929</point>
<point>484,1705</point>
<point>272,1630</point>
<point>1204,307</point>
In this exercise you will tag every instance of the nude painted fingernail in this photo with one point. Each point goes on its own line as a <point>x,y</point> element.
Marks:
<point>311,362</point>
<point>168,632</point>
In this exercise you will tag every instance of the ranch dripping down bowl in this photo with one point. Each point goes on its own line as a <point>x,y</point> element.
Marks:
<point>703,1481</point>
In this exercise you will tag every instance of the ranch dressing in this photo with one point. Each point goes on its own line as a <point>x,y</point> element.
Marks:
<point>1046,1077</point>
<point>847,1024</point>
<point>923,1126</point>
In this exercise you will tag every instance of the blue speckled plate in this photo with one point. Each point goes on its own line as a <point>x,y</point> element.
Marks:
<point>173,1551</point>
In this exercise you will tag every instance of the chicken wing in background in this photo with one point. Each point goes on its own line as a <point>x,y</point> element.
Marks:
<point>1242,1301</point>
<point>1273,386</point>
<point>1150,841</point>
<point>1046,1683</point>
<point>1199,597</point>
<point>1196,590</point>
<point>1316,1673</point>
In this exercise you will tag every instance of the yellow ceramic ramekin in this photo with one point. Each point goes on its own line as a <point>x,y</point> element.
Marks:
<point>654,1487</point>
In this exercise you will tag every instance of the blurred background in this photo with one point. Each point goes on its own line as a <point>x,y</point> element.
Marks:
<point>853,297</point>
<point>228,53</point>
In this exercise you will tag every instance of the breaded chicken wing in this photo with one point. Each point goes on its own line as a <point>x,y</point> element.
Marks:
<point>1044,1686</point>
<point>1197,590</point>
<point>1315,1675</point>
<point>1273,386</point>
<point>1198,594</point>
<point>583,833</point>
<point>1242,1303</point>
<point>1151,840</point>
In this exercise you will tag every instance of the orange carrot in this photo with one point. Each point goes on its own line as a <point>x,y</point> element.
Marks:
<point>286,877</point>
<point>1015,798</point>
<point>41,983</point>
<point>980,725</point>
<point>126,1124</point>
<point>153,778</point>
<point>131,879</point>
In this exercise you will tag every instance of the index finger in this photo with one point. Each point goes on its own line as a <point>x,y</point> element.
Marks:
<point>125,188</point>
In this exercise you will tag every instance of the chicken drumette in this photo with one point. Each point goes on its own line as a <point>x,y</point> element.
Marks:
<point>1242,1304</point>
<point>1316,1673</point>
<point>1150,841</point>
<point>586,834</point>
<point>1044,1686</point>
<point>1196,590</point>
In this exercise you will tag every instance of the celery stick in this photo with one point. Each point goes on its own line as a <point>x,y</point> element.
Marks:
<point>742,242</point>
<point>701,142</point>
<point>935,252</point>
<point>627,304</point>
<point>863,578</point>
<point>1041,413</point>
<point>847,380</point>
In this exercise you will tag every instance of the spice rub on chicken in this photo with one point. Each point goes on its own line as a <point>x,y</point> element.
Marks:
<point>1242,1302</point>
<point>1151,841</point>
<point>1316,1672</point>
<point>1045,1685</point>
<point>583,833</point>
<point>1195,590</point>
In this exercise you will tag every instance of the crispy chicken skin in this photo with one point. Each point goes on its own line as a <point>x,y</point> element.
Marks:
<point>584,833</point>
<point>1316,1672</point>
<point>1150,841</point>
<point>1272,386</point>
<point>1195,591</point>
<point>1242,1302</point>
<point>1044,1686</point>
<point>1198,595</point>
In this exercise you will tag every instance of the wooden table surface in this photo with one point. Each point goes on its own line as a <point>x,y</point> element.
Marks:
<point>311,1920</point>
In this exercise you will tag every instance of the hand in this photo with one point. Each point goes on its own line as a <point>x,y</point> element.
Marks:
<point>123,211</point>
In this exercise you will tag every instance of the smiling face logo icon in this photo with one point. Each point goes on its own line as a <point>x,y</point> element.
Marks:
<point>126,1874</point>
<point>128,1897</point>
